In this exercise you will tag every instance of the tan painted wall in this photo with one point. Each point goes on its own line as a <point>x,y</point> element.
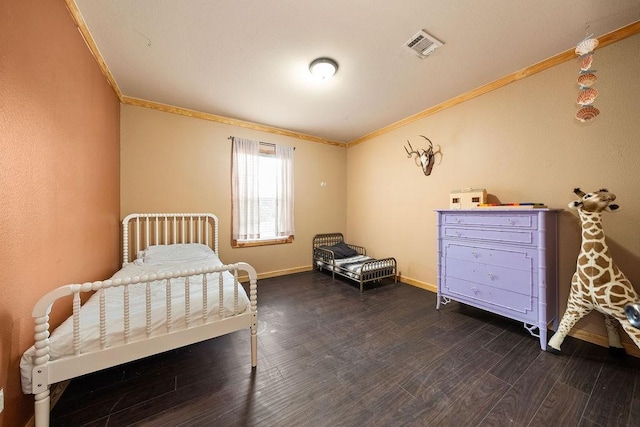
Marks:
<point>173,163</point>
<point>521,143</point>
<point>59,168</point>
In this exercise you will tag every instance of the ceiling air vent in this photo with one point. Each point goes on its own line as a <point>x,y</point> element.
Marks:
<point>423,44</point>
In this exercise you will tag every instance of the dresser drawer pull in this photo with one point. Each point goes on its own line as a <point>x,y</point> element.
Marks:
<point>491,276</point>
<point>474,290</point>
<point>459,220</point>
<point>510,221</point>
<point>475,254</point>
<point>458,233</point>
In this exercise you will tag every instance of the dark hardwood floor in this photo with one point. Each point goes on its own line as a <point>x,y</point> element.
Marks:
<point>331,356</point>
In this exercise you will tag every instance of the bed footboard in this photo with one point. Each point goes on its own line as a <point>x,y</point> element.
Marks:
<point>194,328</point>
<point>378,269</point>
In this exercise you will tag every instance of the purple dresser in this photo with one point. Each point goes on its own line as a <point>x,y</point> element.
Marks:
<point>503,261</point>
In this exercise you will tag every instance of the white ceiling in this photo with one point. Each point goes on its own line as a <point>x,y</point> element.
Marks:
<point>249,59</point>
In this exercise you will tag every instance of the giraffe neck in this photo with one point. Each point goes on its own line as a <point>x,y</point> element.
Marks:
<point>591,222</point>
<point>594,247</point>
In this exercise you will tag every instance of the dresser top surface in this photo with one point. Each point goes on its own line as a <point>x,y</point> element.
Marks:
<point>500,209</point>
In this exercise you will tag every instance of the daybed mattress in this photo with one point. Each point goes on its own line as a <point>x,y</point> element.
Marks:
<point>61,340</point>
<point>350,266</point>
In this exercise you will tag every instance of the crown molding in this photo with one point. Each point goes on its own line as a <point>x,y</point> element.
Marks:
<point>91,44</point>
<point>558,59</point>
<point>127,100</point>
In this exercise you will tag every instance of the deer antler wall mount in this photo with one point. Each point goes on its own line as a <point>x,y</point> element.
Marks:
<point>424,158</point>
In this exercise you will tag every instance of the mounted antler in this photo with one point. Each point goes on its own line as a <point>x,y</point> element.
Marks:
<point>409,153</point>
<point>426,157</point>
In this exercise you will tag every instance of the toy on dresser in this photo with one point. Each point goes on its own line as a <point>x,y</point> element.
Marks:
<point>467,198</point>
<point>598,284</point>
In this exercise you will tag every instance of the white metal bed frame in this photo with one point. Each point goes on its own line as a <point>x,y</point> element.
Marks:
<point>148,229</point>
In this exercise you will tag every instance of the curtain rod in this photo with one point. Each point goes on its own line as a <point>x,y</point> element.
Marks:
<point>260,142</point>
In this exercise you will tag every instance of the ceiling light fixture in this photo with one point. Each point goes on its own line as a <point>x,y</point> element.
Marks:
<point>323,68</point>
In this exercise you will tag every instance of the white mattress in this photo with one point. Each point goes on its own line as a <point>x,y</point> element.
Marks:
<point>61,340</point>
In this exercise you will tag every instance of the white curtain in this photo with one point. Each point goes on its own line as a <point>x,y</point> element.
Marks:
<point>245,189</point>
<point>284,191</point>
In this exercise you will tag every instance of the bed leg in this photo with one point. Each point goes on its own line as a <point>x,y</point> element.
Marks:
<point>254,340</point>
<point>254,350</point>
<point>42,408</point>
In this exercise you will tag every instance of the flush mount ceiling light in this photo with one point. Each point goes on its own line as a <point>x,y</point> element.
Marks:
<point>323,68</point>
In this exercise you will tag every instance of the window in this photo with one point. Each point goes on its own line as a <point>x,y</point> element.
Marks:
<point>262,193</point>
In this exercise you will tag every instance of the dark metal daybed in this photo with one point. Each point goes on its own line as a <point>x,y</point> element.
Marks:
<point>330,252</point>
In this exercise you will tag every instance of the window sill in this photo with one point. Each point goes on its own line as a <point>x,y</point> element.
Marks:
<point>253,243</point>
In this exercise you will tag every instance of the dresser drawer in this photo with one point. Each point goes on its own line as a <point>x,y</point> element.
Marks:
<point>512,257</point>
<point>518,281</point>
<point>504,235</point>
<point>500,301</point>
<point>501,219</point>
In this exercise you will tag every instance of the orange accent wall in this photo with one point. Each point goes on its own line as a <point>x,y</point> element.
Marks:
<point>59,174</point>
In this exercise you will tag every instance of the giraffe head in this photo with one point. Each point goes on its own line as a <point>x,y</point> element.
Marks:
<point>596,201</point>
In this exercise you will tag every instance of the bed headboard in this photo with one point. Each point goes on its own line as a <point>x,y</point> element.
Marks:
<point>141,230</point>
<point>328,239</point>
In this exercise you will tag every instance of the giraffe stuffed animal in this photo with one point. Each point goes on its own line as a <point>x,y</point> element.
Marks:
<point>598,284</point>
